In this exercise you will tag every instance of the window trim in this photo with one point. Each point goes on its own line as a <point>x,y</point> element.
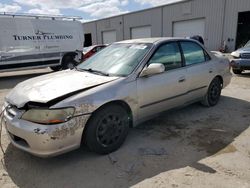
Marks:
<point>204,53</point>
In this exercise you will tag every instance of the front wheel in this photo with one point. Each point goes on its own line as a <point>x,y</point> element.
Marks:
<point>213,93</point>
<point>107,129</point>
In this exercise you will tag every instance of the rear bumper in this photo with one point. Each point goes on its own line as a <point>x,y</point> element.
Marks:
<point>240,64</point>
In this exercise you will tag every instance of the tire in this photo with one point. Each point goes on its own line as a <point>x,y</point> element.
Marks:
<point>56,68</point>
<point>107,129</point>
<point>235,71</point>
<point>68,63</point>
<point>213,93</point>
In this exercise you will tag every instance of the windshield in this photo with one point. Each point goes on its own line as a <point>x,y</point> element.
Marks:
<point>247,44</point>
<point>117,59</point>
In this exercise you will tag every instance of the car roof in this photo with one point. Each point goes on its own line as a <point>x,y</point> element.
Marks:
<point>96,45</point>
<point>153,40</point>
<point>100,45</point>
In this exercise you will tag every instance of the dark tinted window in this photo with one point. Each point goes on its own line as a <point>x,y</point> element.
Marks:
<point>193,53</point>
<point>169,55</point>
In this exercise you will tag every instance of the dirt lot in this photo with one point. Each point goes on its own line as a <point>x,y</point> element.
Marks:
<point>190,147</point>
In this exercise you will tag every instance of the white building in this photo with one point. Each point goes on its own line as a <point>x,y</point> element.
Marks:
<point>215,20</point>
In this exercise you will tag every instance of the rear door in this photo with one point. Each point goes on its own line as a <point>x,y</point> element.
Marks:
<point>200,69</point>
<point>58,38</point>
<point>163,91</point>
<point>51,33</point>
<point>19,43</point>
<point>9,44</point>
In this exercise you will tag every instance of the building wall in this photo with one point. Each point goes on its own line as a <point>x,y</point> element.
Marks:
<point>91,28</point>
<point>210,10</point>
<point>152,17</point>
<point>233,7</point>
<point>114,23</point>
<point>220,21</point>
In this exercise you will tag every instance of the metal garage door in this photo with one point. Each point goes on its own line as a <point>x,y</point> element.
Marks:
<point>189,28</point>
<point>108,37</point>
<point>140,32</point>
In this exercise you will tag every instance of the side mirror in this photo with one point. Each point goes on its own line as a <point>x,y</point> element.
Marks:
<point>152,69</point>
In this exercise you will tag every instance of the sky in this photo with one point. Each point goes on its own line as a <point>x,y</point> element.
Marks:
<point>87,9</point>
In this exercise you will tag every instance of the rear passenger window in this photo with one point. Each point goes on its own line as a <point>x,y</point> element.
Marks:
<point>193,53</point>
<point>169,55</point>
<point>98,49</point>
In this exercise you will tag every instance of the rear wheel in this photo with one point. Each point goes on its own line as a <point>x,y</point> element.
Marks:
<point>213,93</point>
<point>68,63</point>
<point>107,129</point>
<point>236,71</point>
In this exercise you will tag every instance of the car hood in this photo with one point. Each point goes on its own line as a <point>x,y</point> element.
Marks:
<point>45,88</point>
<point>243,50</point>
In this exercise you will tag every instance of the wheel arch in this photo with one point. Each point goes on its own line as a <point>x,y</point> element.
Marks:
<point>221,79</point>
<point>121,103</point>
<point>68,54</point>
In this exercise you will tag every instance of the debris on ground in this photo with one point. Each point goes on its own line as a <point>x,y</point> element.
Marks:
<point>112,158</point>
<point>152,151</point>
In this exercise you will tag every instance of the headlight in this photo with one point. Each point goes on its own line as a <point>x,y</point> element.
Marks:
<point>49,116</point>
<point>235,54</point>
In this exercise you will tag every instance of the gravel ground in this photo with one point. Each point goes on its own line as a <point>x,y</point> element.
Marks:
<point>191,147</point>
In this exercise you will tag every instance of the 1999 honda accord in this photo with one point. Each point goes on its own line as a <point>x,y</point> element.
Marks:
<point>121,86</point>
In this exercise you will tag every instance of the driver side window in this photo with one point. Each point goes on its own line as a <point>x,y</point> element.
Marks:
<point>169,55</point>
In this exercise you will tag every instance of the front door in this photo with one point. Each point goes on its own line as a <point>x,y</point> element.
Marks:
<point>163,91</point>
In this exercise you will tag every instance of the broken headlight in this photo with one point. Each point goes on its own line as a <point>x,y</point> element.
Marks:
<point>49,116</point>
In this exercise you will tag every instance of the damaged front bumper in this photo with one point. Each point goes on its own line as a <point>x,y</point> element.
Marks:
<point>44,140</point>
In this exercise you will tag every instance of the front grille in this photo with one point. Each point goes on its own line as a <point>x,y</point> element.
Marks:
<point>245,55</point>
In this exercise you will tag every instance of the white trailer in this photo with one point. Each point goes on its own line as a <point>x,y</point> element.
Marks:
<point>39,41</point>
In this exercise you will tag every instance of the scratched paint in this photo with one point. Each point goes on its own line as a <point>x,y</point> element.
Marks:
<point>85,108</point>
<point>69,128</point>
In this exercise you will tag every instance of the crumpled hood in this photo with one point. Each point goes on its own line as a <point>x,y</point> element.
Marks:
<point>45,88</point>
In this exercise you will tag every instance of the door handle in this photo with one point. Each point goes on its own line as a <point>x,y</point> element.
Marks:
<point>210,70</point>
<point>182,79</point>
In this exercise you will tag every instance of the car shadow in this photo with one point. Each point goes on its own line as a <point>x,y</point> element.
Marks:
<point>10,80</point>
<point>245,74</point>
<point>173,140</point>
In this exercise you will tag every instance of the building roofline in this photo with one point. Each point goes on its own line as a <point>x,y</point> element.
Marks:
<point>137,11</point>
